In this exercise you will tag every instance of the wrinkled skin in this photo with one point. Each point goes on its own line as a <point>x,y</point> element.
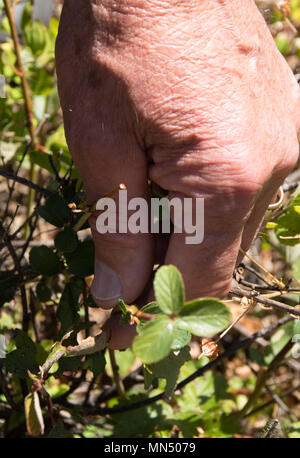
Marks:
<point>192,95</point>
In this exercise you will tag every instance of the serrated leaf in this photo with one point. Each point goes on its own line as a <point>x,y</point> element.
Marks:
<point>81,261</point>
<point>169,290</point>
<point>204,317</point>
<point>66,240</point>
<point>44,260</point>
<point>151,308</point>
<point>168,369</point>
<point>55,211</point>
<point>155,340</point>
<point>33,414</point>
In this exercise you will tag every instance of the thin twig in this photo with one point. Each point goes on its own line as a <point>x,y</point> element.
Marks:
<point>5,237</point>
<point>264,300</point>
<point>272,401</point>
<point>116,375</point>
<point>24,181</point>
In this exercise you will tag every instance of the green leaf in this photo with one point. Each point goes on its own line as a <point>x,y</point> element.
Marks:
<point>81,261</point>
<point>168,369</point>
<point>155,340</point>
<point>152,308</point>
<point>66,240</point>
<point>204,317</point>
<point>126,316</point>
<point>68,308</point>
<point>23,358</point>
<point>41,159</point>
<point>68,364</point>
<point>181,338</point>
<point>288,224</point>
<point>96,363</point>
<point>45,261</point>
<point>55,211</point>
<point>8,285</point>
<point>43,292</point>
<point>283,43</point>
<point>125,360</point>
<point>33,415</point>
<point>26,16</point>
<point>169,290</point>
<point>35,36</point>
<point>278,340</point>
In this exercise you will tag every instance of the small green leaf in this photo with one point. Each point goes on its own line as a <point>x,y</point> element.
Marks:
<point>55,211</point>
<point>204,317</point>
<point>169,290</point>
<point>278,340</point>
<point>288,224</point>
<point>68,364</point>
<point>81,261</point>
<point>126,316</point>
<point>168,369</point>
<point>35,36</point>
<point>96,363</point>
<point>66,240</point>
<point>152,308</point>
<point>42,159</point>
<point>43,292</point>
<point>155,340</point>
<point>45,261</point>
<point>8,284</point>
<point>23,358</point>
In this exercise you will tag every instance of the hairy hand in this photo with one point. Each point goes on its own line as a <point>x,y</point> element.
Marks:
<point>195,98</point>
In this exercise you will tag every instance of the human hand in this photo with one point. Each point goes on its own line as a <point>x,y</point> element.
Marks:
<point>192,95</point>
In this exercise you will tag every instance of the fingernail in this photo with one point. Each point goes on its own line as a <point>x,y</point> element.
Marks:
<point>106,285</point>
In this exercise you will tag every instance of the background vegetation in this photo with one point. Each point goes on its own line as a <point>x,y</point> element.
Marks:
<point>56,379</point>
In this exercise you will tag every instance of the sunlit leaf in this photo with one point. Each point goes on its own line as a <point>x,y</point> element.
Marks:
<point>169,289</point>
<point>155,341</point>
<point>204,317</point>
